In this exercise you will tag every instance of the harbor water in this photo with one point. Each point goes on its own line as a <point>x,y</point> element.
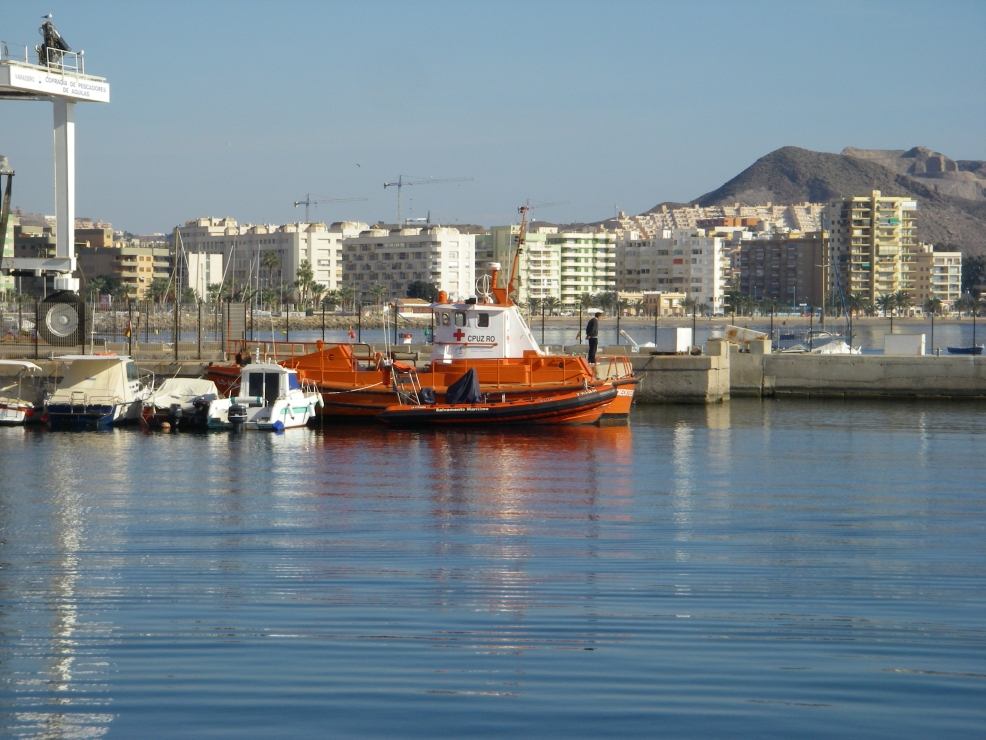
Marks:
<point>752,569</point>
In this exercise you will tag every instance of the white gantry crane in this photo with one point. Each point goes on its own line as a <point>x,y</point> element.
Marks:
<point>58,76</point>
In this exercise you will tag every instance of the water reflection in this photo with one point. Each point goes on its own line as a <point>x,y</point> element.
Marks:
<point>53,678</point>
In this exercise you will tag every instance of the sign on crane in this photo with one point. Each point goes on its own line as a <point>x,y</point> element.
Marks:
<point>60,77</point>
<point>401,182</point>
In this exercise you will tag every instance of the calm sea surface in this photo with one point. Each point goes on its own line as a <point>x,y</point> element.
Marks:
<point>777,569</point>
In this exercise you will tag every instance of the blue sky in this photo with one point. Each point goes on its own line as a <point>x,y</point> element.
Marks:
<point>241,108</point>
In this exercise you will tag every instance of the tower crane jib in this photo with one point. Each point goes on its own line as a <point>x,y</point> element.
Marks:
<point>401,182</point>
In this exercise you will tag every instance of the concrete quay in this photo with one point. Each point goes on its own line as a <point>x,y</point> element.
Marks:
<point>723,372</point>
<point>857,376</point>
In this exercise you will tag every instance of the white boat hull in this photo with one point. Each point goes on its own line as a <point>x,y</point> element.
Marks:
<point>288,413</point>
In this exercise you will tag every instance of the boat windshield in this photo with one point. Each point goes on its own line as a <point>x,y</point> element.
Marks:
<point>293,384</point>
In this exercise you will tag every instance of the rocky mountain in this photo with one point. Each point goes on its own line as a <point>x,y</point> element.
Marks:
<point>951,194</point>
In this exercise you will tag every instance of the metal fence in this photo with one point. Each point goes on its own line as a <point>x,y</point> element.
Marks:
<point>142,329</point>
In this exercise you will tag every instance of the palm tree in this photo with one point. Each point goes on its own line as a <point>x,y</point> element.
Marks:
<point>704,309</point>
<point>902,300</point>
<point>377,291</point>
<point>688,304</point>
<point>272,262</point>
<point>605,301</point>
<point>347,296</point>
<point>638,306</point>
<point>268,297</point>
<point>96,286</point>
<point>976,304</point>
<point>960,305</point>
<point>855,303</point>
<point>887,303</point>
<point>304,282</point>
<point>622,305</point>
<point>318,290</point>
<point>331,299</point>
<point>552,304</point>
<point>585,300</point>
<point>158,289</point>
<point>932,306</point>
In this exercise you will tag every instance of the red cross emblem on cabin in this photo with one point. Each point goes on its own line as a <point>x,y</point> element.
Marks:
<point>458,335</point>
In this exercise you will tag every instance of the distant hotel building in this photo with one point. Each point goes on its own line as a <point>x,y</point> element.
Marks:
<point>874,244</point>
<point>560,265</point>
<point>395,258</point>
<point>789,267</point>
<point>938,275</point>
<point>242,249</point>
<point>688,261</point>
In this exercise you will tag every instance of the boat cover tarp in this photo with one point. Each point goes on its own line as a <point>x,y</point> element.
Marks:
<point>103,380</point>
<point>183,391</point>
<point>14,387</point>
<point>465,389</point>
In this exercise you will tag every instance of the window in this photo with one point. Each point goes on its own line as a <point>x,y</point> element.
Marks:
<point>460,318</point>
<point>445,319</point>
<point>484,319</point>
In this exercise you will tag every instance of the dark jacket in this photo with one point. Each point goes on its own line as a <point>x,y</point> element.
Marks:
<point>592,329</point>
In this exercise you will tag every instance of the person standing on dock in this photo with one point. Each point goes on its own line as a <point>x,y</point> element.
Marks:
<point>592,334</point>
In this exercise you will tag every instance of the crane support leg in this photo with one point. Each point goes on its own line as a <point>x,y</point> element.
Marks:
<point>65,193</point>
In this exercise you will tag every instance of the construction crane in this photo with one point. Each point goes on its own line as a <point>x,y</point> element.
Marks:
<point>523,211</point>
<point>309,202</point>
<point>401,182</point>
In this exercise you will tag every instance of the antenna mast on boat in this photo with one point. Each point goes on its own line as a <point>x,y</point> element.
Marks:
<point>521,236</point>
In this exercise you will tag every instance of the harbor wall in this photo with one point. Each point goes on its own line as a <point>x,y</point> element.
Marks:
<point>862,376</point>
<point>683,378</point>
<point>724,372</point>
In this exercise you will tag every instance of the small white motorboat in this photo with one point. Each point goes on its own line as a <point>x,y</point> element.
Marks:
<point>97,391</point>
<point>270,398</point>
<point>21,392</point>
<point>838,347</point>
<point>179,402</point>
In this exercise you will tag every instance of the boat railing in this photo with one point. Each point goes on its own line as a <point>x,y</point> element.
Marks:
<point>613,367</point>
<point>286,351</point>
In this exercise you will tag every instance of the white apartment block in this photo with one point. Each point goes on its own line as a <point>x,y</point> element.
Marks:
<point>677,260</point>
<point>395,258</point>
<point>561,265</point>
<point>243,248</point>
<point>937,275</point>
<point>800,217</point>
<point>203,270</point>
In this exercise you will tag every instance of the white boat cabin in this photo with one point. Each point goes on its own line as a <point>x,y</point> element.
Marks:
<point>481,331</point>
<point>268,382</point>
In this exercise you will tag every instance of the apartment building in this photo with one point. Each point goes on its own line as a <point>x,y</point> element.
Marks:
<point>789,267</point>
<point>874,244</point>
<point>587,262</point>
<point>688,261</point>
<point>553,264</point>
<point>937,275</point>
<point>500,244</point>
<point>135,267</point>
<point>243,248</point>
<point>394,258</point>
